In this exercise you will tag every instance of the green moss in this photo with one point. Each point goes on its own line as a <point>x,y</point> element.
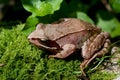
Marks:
<point>98,75</point>
<point>23,61</point>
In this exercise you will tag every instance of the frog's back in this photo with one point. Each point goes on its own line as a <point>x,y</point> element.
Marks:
<point>72,25</point>
<point>77,38</point>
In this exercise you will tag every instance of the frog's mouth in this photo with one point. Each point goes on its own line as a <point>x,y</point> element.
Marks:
<point>38,43</point>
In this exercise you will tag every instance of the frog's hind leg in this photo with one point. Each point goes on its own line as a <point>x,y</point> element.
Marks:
<point>68,49</point>
<point>101,53</point>
<point>93,49</point>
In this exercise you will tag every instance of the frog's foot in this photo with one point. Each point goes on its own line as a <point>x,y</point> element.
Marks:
<point>68,49</point>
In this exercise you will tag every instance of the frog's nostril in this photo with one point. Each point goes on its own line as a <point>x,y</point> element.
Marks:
<point>30,39</point>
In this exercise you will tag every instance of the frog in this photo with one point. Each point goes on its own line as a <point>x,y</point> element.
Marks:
<point>68,35</point>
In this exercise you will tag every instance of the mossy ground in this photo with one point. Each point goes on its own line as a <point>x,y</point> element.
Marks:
<point>23,61</point>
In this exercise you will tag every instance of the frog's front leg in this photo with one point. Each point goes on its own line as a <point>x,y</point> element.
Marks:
<point>68,49</point>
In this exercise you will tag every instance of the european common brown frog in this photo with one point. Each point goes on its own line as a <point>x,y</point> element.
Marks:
<point>69,35</point>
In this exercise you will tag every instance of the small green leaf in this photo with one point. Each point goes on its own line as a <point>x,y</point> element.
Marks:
<point>31,21</point>
<point>40,7</point>
<point>116,32</point>
<point>108,23</point>
<point>84,17</point>
<point>115,4</point>
<point>30,24</point>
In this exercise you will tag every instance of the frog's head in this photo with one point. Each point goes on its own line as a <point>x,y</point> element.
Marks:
<point>38,33</point>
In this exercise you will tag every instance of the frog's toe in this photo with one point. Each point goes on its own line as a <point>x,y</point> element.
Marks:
<point>51,56</point>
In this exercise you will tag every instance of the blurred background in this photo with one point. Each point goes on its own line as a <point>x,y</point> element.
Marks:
<point>103,13</point>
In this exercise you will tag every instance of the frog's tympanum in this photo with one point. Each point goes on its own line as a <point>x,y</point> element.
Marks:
<point>68,35</point>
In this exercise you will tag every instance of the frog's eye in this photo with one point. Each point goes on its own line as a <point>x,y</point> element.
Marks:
<point>43,39</point>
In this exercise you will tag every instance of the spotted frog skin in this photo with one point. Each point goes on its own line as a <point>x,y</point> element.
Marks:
<point>68,35</point>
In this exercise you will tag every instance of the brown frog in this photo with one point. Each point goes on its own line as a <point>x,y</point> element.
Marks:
<point>69,35</point>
